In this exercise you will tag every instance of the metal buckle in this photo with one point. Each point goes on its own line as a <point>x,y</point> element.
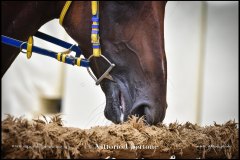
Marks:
<point>105,74</point>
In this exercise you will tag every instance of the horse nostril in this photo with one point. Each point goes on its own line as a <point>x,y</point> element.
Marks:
<point>140,110</point>
<point>153,114</point>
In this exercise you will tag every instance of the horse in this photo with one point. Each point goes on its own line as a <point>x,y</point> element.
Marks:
<point>132,37</point>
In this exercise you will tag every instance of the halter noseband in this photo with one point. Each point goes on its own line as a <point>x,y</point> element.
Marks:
<point>95,39</point>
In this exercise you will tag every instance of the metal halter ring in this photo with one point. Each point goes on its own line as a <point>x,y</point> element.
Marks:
<point>21,49</point>
<point>105,74</point>
<point>28,48</point>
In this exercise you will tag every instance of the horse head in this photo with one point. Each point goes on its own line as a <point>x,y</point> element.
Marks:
<point>132,37</point>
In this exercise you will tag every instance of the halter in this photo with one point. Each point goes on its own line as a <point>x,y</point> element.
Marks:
<point>95,39</point>
<point>64,56</point>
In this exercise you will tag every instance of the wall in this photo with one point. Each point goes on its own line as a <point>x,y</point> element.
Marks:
<point>201,41</point>
<point>221,87</point>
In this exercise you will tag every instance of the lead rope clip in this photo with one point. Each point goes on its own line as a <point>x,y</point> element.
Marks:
<point>28,48</point>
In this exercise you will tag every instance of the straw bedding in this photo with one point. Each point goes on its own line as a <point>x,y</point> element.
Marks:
<point>133,139</point>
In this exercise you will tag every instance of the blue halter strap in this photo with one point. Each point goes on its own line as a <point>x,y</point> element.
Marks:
<point>61,56</point>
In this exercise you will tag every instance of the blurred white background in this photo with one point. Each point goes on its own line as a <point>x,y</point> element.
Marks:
<point>201,43</point>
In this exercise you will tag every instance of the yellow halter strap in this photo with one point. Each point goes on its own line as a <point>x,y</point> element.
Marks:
<point>95,30</point>
<point>64,11</point>
<point>95,25</point>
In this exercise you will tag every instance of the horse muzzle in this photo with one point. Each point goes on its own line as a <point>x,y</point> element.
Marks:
<point>120,104</point>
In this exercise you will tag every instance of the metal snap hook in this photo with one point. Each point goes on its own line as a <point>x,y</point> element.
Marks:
<point>21,49</point>
<point>28,48</point>
<point>105,74</point>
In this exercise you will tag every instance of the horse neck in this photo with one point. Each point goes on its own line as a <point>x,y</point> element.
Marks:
<point>22,19</point>
<point>77,24</point>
